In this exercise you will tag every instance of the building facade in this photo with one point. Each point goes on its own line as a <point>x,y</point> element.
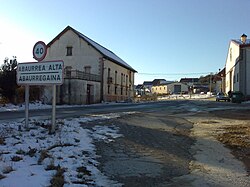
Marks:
<point>237,70</point>
<point>170,88</point>
<point>92,73</point>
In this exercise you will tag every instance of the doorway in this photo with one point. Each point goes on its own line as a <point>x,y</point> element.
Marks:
<point>89,97</point>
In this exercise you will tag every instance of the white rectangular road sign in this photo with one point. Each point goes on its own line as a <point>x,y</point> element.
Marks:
<point>40,73</point>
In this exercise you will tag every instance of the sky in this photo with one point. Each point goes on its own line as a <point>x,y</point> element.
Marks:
<point>168,39</point>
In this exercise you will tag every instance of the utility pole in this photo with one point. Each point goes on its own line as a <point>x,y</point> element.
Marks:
<point>210,83</point>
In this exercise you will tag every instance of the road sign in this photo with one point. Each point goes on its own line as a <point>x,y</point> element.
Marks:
<point>40,73</point>
<point>39,51</point>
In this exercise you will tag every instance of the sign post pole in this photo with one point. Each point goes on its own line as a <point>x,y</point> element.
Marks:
<point>53,125</point>
<point>27,107</point>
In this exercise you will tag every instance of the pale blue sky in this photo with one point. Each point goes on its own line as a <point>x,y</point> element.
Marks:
<point>168,38</point>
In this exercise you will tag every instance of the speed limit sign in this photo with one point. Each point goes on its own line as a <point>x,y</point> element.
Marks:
<point>39,51</point>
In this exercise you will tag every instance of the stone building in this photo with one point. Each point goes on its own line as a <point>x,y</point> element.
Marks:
<point>92,73</point>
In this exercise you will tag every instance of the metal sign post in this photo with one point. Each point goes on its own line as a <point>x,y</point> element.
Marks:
<point>27,95</point>
<point>53,125</point>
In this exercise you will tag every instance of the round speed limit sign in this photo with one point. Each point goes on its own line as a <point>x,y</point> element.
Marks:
<point>39,51</point>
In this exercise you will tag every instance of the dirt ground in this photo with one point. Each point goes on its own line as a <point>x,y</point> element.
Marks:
<point>179,147</point>
<point>237,136</point>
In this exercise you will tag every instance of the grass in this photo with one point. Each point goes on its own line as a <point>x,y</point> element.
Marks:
<point>2,176</point>
<point>20,152</point>
<point>32,152</point>
<point>83,170</point>
<point>7,169</point>
<point>58,179</point>
<point>16,158</point>
<point>52,167</point>
<point>43,155</point>
<point>2,141</point>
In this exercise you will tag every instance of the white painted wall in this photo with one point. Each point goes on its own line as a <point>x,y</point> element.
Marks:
<point>232,56</point>
<point>83,54</point>
<point>248,70</point>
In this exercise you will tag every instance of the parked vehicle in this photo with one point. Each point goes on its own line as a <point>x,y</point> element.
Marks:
<point>221,96</point>
<point>237,97</point>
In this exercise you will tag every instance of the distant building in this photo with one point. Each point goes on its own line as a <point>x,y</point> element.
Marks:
<point>92,73</point>
<point>189,81</point>
<point>220,81</point>
<point>147,86</point>
<point>139,90</point>
<point>170,88</point>
<point>238,66</point>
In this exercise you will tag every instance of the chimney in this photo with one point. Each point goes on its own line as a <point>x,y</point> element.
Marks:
<point>243,38</point>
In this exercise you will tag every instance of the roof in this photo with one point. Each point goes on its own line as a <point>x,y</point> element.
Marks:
<point>147,83</point>
<point>241,44</point>
<point>104,51</point>
<point>187,80</point>
<point>139,86</point>
<point>156,82</point>
<point>222,73</point>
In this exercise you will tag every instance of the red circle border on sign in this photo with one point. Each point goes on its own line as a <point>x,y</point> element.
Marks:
<point>45,49</point>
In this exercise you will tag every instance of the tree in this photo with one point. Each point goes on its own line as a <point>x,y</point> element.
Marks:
<point>8,83</point>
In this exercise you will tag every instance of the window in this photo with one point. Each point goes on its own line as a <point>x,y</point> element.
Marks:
<point>108,89</point>
<point>121,78</point>
<point>115,90</point>
<point>231,54</point>
<point>126,84</point>
<point>108,72</point>
<point>234,78</point>
<point>115,77</point>
<point>69,51</point>
<point>87,69</point>
<point>237,77</point>
<point>68,71</point>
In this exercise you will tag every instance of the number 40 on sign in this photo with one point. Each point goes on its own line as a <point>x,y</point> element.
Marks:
<point>39,51</point>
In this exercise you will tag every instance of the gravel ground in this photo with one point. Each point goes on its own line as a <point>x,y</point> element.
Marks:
<point>179,148</point>
<point>214,164</point>
<point>154,150</point>
<point>236,134</point>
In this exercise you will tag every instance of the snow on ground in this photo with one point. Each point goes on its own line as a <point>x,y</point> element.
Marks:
<point>29,158</point>
<point>185,96</point>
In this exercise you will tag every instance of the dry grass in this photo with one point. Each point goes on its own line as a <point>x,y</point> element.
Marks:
<point>20,152</point>
<point>2,141</point>
<point>2,176</point>
<point>43,155</point>
<point>16,158</point>
<point>7,169</point>
<point>58,178</point>
<point>236,136</point>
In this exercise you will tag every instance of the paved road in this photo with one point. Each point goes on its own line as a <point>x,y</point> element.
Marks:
<point>175,106</point>
<point>67,112</point>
